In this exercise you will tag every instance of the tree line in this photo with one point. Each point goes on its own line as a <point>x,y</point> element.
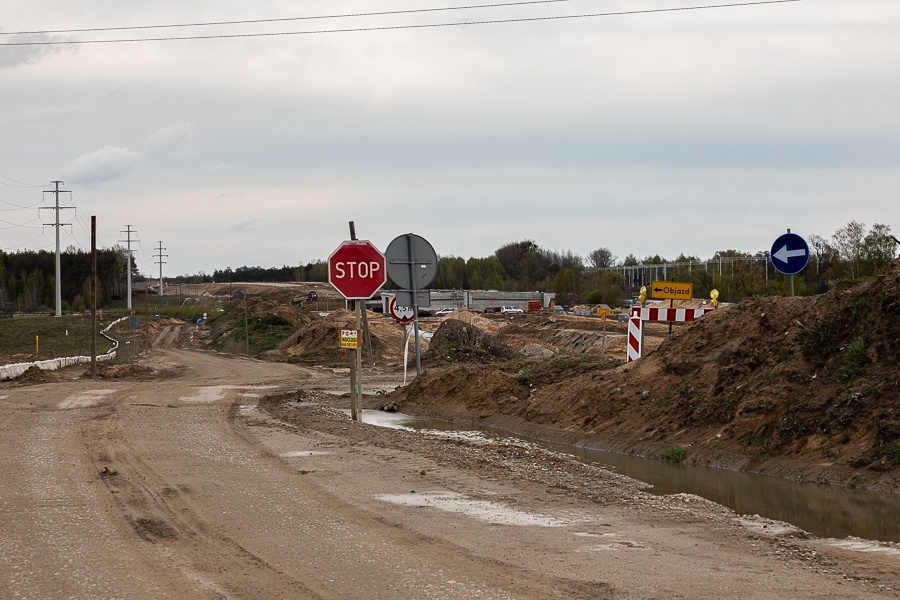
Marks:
<point>849,254</point>
<point>853,252</point>
<point>28,279</point>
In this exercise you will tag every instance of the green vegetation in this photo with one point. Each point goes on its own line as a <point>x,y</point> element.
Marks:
<point>675,454</point>
<point>524,377</point>
<point>854,359</point>
<point>57,337</point>
<point>850,254</point>
<point>893,453</point>
<point>265,332</point>
<point>567,362</point>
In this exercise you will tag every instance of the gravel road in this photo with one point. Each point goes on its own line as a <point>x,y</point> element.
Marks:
<point>220,477</point>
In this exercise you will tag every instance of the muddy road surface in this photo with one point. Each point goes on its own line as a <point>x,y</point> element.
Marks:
<point>206,476</point>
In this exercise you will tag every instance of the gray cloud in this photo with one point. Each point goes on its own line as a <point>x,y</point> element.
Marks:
<point>180,139</point>
<point>106,164</point>
<point>667,133</point>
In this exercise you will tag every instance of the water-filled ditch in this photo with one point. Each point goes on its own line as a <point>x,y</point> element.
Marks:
<point>825,511</point>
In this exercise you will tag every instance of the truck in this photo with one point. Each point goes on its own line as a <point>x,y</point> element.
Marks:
<point>534,307</point>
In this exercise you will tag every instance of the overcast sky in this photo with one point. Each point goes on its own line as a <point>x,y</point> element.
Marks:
<point>654,133</point>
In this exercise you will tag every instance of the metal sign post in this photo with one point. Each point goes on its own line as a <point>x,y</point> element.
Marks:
<point>412,265</point>
<point>790,255</point>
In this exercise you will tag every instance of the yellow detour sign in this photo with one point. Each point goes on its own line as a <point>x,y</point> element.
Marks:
<point>671,290</point>
<point>350,338</point>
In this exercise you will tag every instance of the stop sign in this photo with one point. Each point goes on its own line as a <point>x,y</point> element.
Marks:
<point>357,269</point>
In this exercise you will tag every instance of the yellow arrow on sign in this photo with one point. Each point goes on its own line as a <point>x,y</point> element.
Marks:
<point>672,290</point>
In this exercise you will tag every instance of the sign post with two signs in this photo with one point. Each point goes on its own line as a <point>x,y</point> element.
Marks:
<point>412,264</point>
<point>356,269</point>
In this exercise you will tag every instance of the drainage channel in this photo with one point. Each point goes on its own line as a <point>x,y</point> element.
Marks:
<point>823,510</point>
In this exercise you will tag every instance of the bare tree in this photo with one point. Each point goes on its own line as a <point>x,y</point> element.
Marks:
<point>601,258</point>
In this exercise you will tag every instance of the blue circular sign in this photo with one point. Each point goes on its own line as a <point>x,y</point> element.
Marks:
<point>790,254</point>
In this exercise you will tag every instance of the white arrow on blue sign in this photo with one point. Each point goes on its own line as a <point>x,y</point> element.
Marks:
<point>790,254</point>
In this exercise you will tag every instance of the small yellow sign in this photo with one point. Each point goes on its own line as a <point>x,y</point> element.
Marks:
<point>672,290</point>
<point>350,338</point>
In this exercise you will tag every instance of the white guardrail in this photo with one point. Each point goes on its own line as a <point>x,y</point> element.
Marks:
<point>13,371</point>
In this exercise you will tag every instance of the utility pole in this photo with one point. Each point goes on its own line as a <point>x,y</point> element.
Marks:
<point>159,255</point>
<point>57,225</point>
<point>93,297</point>
<point>128,231</point>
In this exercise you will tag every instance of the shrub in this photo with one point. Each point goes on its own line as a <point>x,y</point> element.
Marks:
<point>524,377</point>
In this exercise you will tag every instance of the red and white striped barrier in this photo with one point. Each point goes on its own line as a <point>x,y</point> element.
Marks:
<point>635,339</point>
<point>665,315</point>
<point>639,314</point>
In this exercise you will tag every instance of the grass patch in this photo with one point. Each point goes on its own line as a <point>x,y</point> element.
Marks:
<point>524,377</point>
<point>57,337</point>
<point>265,333</point>
<point>676,454</point>
<point>855,359</point>
<point>893,453</point>
<point>567,362</point>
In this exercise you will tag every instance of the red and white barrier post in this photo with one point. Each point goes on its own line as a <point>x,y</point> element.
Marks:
<point>635,338</point>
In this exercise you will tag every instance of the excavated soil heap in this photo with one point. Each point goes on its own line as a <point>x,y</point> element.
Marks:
<point>805,387</point>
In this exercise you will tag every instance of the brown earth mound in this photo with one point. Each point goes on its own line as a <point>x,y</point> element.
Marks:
<point>457,341</point>
<point>33,375</point>
<point>122,371</point>
<point>269,319</point>
<point>792,386</point>
<point>318,340</point>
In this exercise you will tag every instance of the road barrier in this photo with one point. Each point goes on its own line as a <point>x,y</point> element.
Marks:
<point>635,339</point>
<point>666,315</point>
<point>639,314</point>
<point>13,371</point>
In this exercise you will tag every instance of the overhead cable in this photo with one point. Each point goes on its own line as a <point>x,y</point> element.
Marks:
<point>399,27</point>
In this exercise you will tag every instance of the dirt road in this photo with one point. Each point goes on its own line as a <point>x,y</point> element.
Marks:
<point>184,484</point>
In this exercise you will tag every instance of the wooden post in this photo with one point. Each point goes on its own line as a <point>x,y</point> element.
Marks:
<point>355,382</point>
<point>93,297</point>
<point>671,305</point>
<point>354,375</point>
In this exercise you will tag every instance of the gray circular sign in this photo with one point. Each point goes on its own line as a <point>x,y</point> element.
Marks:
<point>411,262</point>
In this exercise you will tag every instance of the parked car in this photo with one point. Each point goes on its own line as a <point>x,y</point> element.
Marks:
<point>444,312</point>
<point>511,310</point>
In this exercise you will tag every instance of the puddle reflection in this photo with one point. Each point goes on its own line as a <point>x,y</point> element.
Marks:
<point>825,511</point>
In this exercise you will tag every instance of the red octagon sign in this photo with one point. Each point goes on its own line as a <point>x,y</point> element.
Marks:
<point>357,269</point>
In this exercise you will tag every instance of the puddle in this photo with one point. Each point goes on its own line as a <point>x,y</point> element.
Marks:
<point>214,393</point>
<point>825,511</point>
<point>84,400</point>
<point>483,510</point>
<point>858,545</point>
<point>302,453</point>
<point>208,394</point>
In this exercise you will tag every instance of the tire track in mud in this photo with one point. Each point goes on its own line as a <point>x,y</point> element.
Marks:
<point>160,511</point>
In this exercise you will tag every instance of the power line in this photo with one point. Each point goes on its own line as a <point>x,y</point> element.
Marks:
<point>20,226</point>
<point>20,183</point>
<point>399,27</point>
<point>284,19</point>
